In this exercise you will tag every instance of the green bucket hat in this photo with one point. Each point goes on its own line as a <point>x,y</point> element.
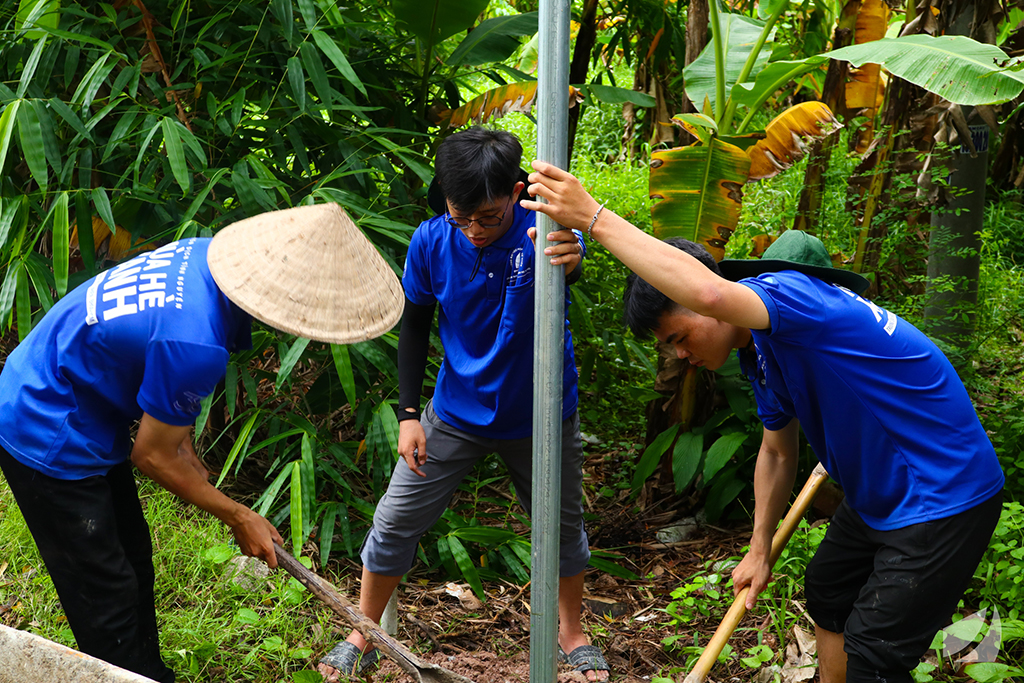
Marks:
<point>799,251</point>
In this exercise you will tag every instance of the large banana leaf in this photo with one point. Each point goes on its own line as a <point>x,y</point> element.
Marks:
<point>434,21</point>
<point>739,35</point>
<point>956,68</point>
<point>494,40</point>
<point>700,188</point>
<point>787,136</point>
<point>865,88</point>
<point>500,101</point>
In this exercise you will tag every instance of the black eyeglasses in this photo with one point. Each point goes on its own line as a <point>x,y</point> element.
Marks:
<point>485,222</point>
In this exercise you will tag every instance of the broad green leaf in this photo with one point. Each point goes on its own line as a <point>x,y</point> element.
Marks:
<point>297,81</point>
<point>338,58</point>
<point>485,535</point>
<point>308,12</point>
<point>494,40</point>
<point>514,564</point>
<point>700,188</point>
<point>992,672</point>
<point>102,204</point>
<point>289,360</point>
<point>956,68</point>
<point>29,70</point>
<point>720,495</point>
<point>176,154</point>
<point>686,459</point>
<point>61,244</point>
<point>652,456</point>
<point>739,35</point>
<point>7,120</point>
<point>612,95</point>
<point>434,20</point>
<point>602,560</point>
<point>343,364</point>
<point>766,9</point>
<point>466,566</point>
<point>295,508</point>
<point>30,135</point>
<point>282,10</point>
<point>720,452</point>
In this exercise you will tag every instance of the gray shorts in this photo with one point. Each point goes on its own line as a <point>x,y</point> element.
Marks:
<point>413,504</point>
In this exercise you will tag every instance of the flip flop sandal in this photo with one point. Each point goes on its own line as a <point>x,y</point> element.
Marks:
<point>585,658</point>
<point>346,658</point>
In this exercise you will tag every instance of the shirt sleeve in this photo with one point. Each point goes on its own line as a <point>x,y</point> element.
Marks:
<point>416,277</point>
<point>177,377</point>
<point>796,311</point>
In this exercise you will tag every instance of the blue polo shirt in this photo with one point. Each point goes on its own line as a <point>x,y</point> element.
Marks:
<point>485,386</point>
<point>880,404</point>
<point>152,334</point>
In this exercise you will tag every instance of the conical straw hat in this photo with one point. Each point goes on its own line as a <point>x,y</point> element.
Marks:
<point>308,271</point>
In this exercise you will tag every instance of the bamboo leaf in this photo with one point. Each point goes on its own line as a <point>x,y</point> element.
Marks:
<point>51,147</point>
<point>338,58</point>
<point>176,154</point>
<point>315,68</point>
<point>7,120</point>
<point>36,15</point>
<point>121,129</point>
<point>308,472</point>
<point>686,459</point>
<point>204,193</point>
<point>652,456</point>
<point>23,303</point>
<point>29,70</point>
<point>787,138</point>
<point>295,508</point>
<point>700,188</point>
<point>493,40</point>
<point>327,533</point>
<point>71,117</point>
<point>240,445</point>
<point>290,359</point>
<point>102,204</point>
<point>267,498</point>
<point>308,12</point>
<point>204,414</point>
<point>343,364</point>
<point>10,212</point>
<point>61,244</point>
<point>297,81</point>
<point>91,82</point>
<point>30,135</point>
<point>956,68</point>
<point>389,422</point>
<point>283,11</point>
<point>41,280</point>
<point>8,291</point>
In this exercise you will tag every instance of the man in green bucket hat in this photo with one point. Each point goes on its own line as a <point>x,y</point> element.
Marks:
<point>882,408</point>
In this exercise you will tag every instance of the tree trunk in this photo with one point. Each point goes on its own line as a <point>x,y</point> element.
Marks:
<point>586,38</point>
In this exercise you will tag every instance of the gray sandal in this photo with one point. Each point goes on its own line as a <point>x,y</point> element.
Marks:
<point>346,658</point>
<point>585,658</point>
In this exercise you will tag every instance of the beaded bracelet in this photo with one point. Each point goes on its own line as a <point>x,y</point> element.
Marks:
<point>593,220</point>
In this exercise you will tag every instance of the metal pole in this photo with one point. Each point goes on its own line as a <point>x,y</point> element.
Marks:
<point>548,347</point>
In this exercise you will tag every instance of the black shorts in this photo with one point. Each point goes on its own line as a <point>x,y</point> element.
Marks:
<point>889,592</point>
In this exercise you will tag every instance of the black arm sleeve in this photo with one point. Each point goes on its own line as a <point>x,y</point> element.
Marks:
<point>413,343</point>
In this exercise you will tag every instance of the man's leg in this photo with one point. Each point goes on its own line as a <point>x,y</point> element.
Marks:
<point>920,573</point>
<point>411,505</point>
<point>75,527</point>
<point>831,657</point>
<point>574,552</point>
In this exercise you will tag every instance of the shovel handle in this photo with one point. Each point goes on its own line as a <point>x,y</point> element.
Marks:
<point>739,608</point>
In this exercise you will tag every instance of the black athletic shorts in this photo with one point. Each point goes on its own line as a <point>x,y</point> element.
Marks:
<point>889,592</point>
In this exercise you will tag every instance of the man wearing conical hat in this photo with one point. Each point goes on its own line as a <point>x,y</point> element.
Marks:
<point>473,262</point>
<point>145,342</point>
<point>880,405</point>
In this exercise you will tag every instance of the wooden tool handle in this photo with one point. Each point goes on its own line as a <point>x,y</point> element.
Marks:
<point>739,608</point>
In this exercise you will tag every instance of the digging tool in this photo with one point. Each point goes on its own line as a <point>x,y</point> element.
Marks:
<point>422,672</point>
<point>739,607</point>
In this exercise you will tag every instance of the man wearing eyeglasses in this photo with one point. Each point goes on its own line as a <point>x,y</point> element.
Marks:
<point>474,261</point>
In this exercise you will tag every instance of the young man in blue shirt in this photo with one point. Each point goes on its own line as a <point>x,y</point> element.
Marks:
<point>880,405</point>
<point>145,342</point>
<point>474,262</point>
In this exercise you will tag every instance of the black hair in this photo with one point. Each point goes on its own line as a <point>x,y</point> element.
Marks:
<point>643,305</point>
<point>476,166</point>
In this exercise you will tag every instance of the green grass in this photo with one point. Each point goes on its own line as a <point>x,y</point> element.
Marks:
<point>209,630</point>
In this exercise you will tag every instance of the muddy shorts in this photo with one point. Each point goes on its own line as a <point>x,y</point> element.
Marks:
<point>889,592</point>
<point>413,504</point>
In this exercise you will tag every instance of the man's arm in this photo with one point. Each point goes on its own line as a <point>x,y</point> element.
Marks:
<point>158,453</point>
<point>413,344</point>
<point>678,275</point>
<point>774,476</point>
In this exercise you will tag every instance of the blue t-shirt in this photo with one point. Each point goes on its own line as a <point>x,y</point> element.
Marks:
<point>152,334</point>
<point>880,404</point>
<point>485,386</point>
